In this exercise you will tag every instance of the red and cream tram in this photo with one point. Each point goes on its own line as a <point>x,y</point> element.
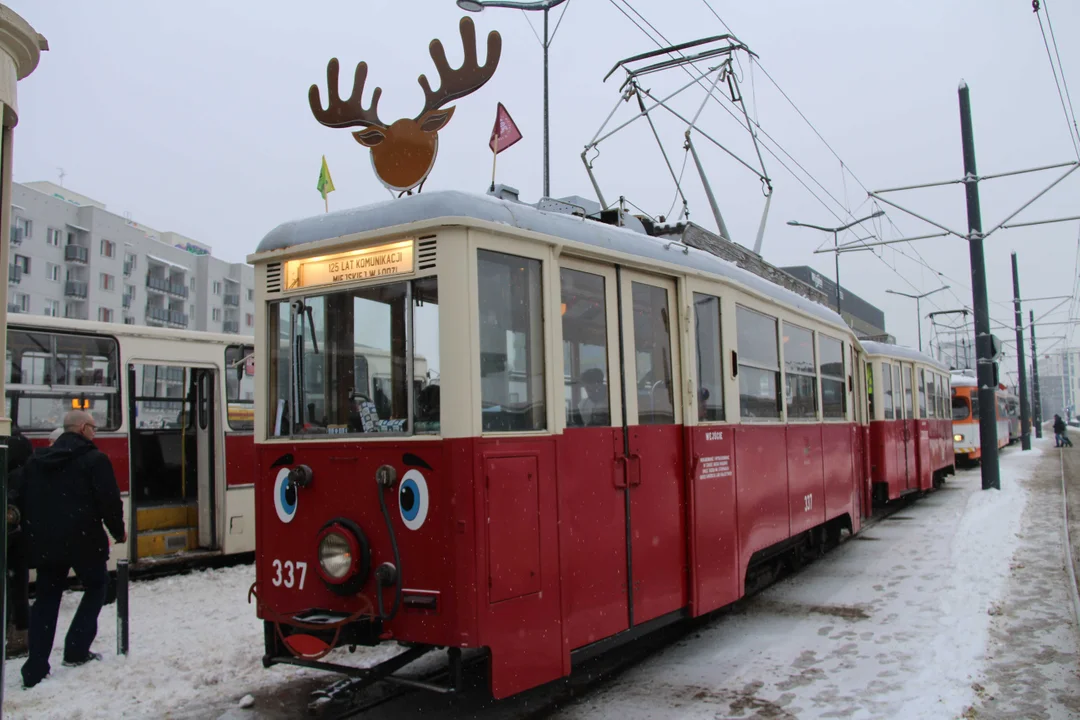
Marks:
<point>175,414</point>
<point>910,430</point>
<point>631,425</point>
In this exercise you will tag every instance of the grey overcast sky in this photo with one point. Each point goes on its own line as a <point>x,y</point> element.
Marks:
<point>193,117</point>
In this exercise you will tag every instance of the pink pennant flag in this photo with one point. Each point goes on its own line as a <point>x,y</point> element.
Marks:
<point>505,133</point>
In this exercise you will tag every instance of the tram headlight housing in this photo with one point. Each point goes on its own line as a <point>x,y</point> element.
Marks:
<point>958,438</point>
<point>344,556</point>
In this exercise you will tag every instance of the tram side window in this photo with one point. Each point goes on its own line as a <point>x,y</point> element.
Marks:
<point>511,343</point>
<point>887,390</point>
<point>909,401</point>
<point>898,390</point>
<point>800,376</point>
<point>833,386</point>
<point>426,377</point>
<point>870,394</point>
<point>931,394</point>
<point>943,398</point>
<point>585,358</point>
<point>652,355</point>
<point>240,386</point>
<point>759,364</point>
<point>710,358</point>
<point>922,393</point>
<point>277,335</point>
<point>50,374</point>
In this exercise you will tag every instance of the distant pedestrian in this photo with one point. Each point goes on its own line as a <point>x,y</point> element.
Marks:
<point>69,491</point>
<point>1061,437</point>
<point>18,568</point>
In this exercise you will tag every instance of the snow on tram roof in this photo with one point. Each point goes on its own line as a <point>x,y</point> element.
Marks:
<point>456,204</point>
<point>899,351</point>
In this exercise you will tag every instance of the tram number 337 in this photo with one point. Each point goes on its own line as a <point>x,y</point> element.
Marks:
<point>808,502</point>
<point>288,573</point>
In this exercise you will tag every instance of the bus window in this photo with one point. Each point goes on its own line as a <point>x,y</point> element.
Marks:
<point>584,321</point>
<point>240,386</point>
<point>511,343</point>
<point>710,357</point>
<point>800,373</point>
<point>833,385</point>
<point>50,374</point>
<point>759,364</point>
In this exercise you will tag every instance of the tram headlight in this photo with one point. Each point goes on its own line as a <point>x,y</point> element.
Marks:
<point>336,556</point>
<point>958,438</point>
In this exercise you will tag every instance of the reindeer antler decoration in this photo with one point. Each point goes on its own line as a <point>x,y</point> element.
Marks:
<point>403,153</point>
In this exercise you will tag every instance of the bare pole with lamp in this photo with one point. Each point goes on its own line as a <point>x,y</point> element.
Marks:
<point>545,5</point>
<point>836,245</point>
<point>918,299</point>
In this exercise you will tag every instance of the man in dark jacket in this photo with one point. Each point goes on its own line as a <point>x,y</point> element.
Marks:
<point>69,491</point>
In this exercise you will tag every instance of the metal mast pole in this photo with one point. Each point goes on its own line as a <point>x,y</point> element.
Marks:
<point>983,349</point>
<point>547,168</point>
<point>836,256</point>
<point>1021,369</point>
<point>1036,399</point>
<point>918,319</point>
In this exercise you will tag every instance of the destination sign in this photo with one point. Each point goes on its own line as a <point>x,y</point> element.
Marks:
<point>365,264</point>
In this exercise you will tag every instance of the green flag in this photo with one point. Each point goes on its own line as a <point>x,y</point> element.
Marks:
<point>325,185</point>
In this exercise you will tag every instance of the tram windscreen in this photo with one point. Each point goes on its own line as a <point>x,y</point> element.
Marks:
<point>342,361</point>
<point>960,410</point>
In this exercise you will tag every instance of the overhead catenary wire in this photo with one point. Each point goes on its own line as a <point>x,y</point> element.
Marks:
<point>1063,87</point>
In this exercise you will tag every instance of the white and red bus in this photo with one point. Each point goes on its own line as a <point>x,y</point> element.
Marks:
<point>175,411</point>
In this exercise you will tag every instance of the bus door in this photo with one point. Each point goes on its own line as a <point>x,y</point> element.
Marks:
<point>656,517</point>
<point>172,438</point>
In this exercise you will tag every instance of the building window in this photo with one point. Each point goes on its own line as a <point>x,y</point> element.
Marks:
<point>52,272</point>
<point>710,358</point>
<point>191,313</point>
<point>192,287</point>
<point>759,364</point>
<point>21,301</point>
<point>104,314</point>
<point>249,319</point>
<point>25,225</point>
<point>129,320</point>
<point>800,376</point>
<point>52,237</point>
<point>250,294</point>
<point>217,287</point>
<point>108,282</point>
<point>216,314</point>
<point>23,262</point>
<point>129,290</point>
<point>108,248</point>
<point>52,308</point>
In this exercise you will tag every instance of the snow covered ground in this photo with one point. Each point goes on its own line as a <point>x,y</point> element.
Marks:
<point>924,615</point>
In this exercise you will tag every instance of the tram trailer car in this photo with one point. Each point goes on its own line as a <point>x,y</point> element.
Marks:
<point>174,416</point>
<point>909,437</point>
<point>631,425</point>
<point>965,415</point>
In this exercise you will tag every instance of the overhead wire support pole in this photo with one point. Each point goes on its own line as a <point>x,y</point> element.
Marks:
<point>1036,400</point>
<point>1021,368</point>
<point>984,361</point>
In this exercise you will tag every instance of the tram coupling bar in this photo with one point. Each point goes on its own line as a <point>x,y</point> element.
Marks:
<point>301,476</point>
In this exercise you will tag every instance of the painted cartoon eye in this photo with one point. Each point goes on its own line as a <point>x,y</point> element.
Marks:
<point>284,496</point>
<point>413,499</point>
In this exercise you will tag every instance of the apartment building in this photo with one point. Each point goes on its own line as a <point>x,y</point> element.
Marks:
<point>71,257</point>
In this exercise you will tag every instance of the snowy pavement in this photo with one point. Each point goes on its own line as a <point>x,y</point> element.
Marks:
<point>954,607</point>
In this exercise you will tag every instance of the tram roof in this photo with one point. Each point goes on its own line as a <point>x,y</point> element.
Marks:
<point>899,351</point>
<point>455,206</point>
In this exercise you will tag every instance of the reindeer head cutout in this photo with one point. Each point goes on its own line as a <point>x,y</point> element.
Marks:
<point>403,152</point>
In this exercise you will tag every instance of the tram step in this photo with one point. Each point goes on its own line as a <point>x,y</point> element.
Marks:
<point>154,543</point>
<point>167,517</point>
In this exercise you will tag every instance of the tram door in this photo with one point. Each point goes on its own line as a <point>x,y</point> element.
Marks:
<point>173,448</point>
<point>656,519</point>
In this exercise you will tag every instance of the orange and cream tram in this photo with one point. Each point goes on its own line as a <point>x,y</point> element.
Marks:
<point>965,416</point>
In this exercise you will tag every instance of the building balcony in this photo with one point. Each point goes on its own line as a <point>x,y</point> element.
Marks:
<point>178,319</point>
<point>127,269</point>
<point>165,286</point>
<point>14,274</point>
<point>75,289</point>
<point>126,300</point>
<point>232,300</point>
<point>230,326</point>
<point>14,308</point>
<point>76,253</point>
<point>156,315</point>
<point>16,235</point>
